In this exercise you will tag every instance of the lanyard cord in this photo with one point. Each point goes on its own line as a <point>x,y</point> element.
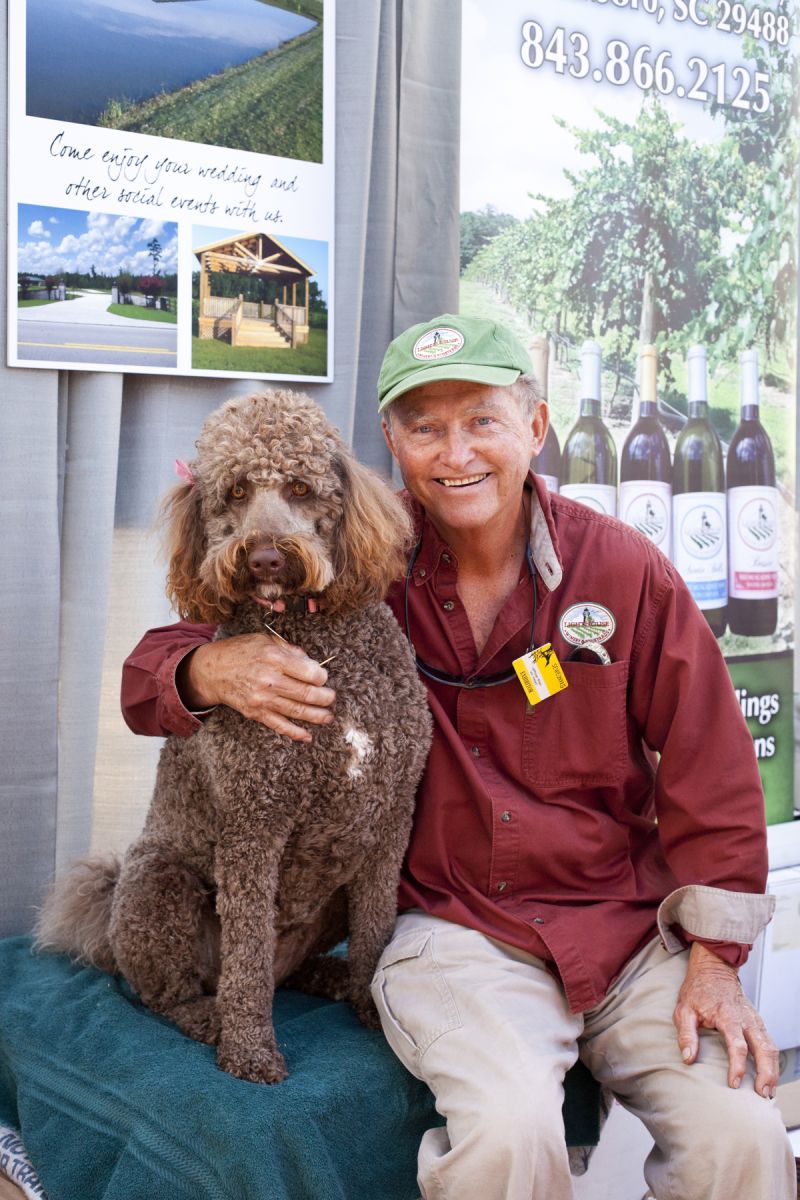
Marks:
<point>476,681</point>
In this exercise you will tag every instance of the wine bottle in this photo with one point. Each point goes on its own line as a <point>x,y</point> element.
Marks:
<point>645,469</point>
<point>699,536</point>
<point>752,516</point>
<point>547,463</point>
<point>589,459</point>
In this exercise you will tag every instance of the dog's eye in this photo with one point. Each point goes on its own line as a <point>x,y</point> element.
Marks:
<point>238,492</point>
<point>299,488</point>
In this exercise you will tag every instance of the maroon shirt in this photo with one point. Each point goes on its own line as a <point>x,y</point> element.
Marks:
<point>550,827</point>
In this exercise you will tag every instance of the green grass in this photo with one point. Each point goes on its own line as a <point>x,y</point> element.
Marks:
<point>270,105</point>
<point>35,303</point>
<point>311,359</point>
<point>139,313</point>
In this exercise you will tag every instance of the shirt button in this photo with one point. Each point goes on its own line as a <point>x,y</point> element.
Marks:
<point>476,750</point>
<point>445,558</point>
<point>538,920</point>
<point>506,816</point>
<point>422,572</point>
<point>502,885</point>
<point>448,606</point>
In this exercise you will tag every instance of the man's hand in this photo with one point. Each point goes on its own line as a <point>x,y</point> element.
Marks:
<point>263,679</point>
<point>711,997</point>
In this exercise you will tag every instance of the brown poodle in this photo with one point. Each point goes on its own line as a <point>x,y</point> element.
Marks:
<point>273,848</point>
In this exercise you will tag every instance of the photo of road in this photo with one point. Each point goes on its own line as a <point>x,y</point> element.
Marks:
<point>96,289</point>
<point>81,329</point>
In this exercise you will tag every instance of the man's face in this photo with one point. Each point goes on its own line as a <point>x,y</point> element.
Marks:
<point>464,450</point>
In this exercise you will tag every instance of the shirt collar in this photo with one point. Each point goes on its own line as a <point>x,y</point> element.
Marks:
<point>544,539</point>
<point>434,550</point>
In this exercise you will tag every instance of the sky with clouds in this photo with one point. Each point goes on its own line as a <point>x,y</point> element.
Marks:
<point>51,240</point>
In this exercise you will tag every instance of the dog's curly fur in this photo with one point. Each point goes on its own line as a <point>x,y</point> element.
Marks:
<point>269,846</point>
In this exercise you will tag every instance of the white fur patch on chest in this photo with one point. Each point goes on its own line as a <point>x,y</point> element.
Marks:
<point>361,744</point>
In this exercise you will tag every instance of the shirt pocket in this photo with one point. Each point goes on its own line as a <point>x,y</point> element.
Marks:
<point>579,736</point>
<point>413,997</point>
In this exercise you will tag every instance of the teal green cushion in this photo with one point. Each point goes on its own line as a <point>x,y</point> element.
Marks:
<point>114,1103</point>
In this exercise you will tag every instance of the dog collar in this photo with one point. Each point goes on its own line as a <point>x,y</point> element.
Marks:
<point>291,604</point>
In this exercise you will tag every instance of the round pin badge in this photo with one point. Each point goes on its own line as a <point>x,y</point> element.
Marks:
<point>591,648</point>
<point>587,622</point>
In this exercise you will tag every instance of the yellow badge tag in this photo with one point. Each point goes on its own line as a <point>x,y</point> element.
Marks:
<point>540,674</point>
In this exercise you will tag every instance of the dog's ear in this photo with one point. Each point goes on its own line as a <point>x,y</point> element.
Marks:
<point>181,518</point>
<point>372,538</point>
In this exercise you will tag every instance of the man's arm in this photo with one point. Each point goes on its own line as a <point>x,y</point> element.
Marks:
<point>177,673</point>
<point>710,808</point>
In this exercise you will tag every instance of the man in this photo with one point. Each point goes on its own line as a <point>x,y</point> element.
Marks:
<point>544,913</point>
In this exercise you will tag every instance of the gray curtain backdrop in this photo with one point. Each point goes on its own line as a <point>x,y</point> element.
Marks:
<point>84,456</point>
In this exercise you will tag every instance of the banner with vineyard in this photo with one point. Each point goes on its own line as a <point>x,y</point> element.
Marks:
<point>629,181</point>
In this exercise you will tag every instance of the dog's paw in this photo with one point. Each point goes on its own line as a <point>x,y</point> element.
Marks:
<point>198,1018</point>
<point>255,1064</point>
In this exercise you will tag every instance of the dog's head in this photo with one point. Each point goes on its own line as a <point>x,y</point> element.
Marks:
<point>277,506</point>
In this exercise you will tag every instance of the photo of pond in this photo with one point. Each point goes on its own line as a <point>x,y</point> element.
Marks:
<point>238,73</point>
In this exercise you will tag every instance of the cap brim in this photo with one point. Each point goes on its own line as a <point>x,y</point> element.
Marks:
<point>492,376</point>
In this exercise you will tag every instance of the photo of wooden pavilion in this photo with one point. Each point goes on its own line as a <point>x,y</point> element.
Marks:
<point>281,321</point>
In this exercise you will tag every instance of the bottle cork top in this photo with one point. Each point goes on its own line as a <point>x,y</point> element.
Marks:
<point>748,378</point>
<point>697,359</point>
<point>648,374</point>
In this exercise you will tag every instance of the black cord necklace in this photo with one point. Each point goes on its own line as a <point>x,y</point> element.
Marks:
<point>475,681</point>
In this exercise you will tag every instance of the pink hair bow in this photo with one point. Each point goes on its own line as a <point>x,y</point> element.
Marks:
<point>184,471</point>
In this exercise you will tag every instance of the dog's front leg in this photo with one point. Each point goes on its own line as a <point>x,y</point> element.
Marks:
<point>247,868</point>
<point>372,909</point>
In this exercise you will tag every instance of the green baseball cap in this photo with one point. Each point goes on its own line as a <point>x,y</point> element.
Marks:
<point>451,347</point>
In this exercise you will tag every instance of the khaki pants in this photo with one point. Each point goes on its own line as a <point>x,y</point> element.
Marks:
<point>488,1029</point>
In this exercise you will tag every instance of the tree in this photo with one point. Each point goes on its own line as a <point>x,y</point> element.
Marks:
<point>125,285</point>
<point>477,228</point>
<point>316,301</point>
<point>652,212</point>
<point>151,285</point>
<point>754,299</point>
<point>155,251</point>
<point>664,238</point>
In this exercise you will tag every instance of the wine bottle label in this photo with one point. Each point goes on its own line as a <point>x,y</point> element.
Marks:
<point>753,543</point>
<point>700,550</point>
<point>647,505</point>
<point>602,497</point>
<point>551,482</point>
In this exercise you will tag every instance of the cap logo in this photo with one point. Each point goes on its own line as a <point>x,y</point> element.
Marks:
<point>587,622</point>
<point>438,343</point>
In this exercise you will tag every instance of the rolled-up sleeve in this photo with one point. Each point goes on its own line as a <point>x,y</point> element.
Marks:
<point>713,915</point>
<point>150,700</point>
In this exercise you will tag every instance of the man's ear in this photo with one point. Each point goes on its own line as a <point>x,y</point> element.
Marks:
<point>387,433</point>
<point>539,424</point>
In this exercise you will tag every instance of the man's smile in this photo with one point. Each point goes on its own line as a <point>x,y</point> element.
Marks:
<point>465,481</point>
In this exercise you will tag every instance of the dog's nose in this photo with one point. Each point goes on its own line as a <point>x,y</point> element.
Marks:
<point>265,561</point>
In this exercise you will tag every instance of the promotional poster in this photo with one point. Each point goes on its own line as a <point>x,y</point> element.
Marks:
<point>171,186</point>
<point>629,206</point>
